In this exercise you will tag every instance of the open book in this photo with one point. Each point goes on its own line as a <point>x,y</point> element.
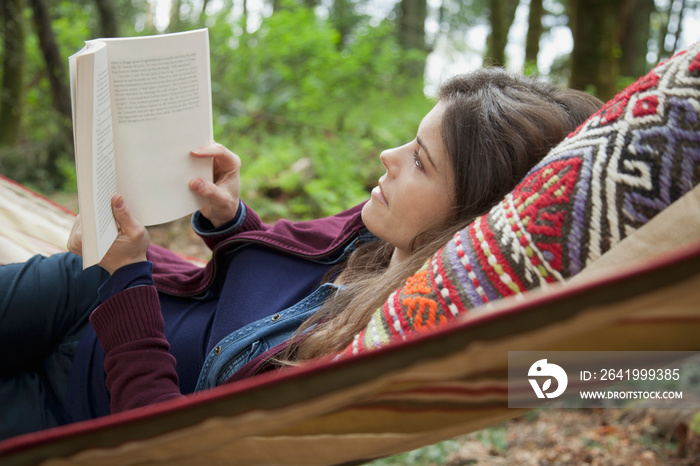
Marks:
<point>140,104</point>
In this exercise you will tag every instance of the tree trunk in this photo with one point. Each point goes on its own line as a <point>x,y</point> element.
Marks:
<point>571,8</point>
<point>109,21</point>
<point>534,34</point>
<point>244,17</point>
<point>634,36</point>
<point>594,61</point>
<point>58,85</point>
<point>679,29</point>
<point>412,15</point>
<point>495,45</point>
<point>203,12</point>
<point>501,17</point>
<point>412,24</point>
<point>663,29</point>
<point>174,23</point>
<point>55,63</point>
<point>667,18</point>
<point>12,71</point>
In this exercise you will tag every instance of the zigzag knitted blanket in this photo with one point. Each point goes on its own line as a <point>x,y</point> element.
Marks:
<point>630,160</point>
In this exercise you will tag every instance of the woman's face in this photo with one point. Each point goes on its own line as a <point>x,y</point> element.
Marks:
<point>416,192</point>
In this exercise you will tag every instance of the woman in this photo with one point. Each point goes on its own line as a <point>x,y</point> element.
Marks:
<point>314,283</point>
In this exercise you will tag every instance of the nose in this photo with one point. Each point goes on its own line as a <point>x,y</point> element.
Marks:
<point>389,159</point>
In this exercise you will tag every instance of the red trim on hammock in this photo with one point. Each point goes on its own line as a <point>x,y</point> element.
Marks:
<point>37,195</point>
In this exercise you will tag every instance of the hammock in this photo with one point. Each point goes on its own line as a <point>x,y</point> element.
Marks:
<point>30,224</point>
<point>641,293</point>
<point>404,396</point>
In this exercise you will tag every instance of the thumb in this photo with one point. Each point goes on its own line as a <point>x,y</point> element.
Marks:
<point>127,223</point>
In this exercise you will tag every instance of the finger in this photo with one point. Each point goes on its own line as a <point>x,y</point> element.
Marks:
<point>211,191</point>
<point>127,223</point>
<point>75,245</point>
<point>223,157</point>
<point>75,239</point>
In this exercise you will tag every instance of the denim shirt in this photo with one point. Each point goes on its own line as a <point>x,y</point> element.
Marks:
<point>248,342</point>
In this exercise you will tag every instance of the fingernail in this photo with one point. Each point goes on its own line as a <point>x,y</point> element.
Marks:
<point>198,185</point>
<point>119,203</point>
<point>197,151</point>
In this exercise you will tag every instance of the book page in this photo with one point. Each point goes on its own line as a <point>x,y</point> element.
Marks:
<point>104,173</point>
<point>161,108</point>
<point>94,150</point>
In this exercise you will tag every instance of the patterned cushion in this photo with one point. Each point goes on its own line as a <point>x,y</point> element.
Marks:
<point>624,165</point>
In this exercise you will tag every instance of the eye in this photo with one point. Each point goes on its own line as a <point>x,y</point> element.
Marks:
<point>417,161</point>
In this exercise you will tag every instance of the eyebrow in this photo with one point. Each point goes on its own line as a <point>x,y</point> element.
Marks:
<point>430,159</point>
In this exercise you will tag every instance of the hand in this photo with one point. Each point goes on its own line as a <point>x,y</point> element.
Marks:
<point>224,193</point>
<point>132,241</point>
<point>75,239</point>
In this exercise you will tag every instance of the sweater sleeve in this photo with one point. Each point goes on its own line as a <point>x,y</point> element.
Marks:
<point>246,220</point>
<point>140,371</point>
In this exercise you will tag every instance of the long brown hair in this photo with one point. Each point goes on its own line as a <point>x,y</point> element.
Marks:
<point>496,127</point>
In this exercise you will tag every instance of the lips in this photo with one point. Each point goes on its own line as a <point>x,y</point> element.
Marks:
<point>377,192</point>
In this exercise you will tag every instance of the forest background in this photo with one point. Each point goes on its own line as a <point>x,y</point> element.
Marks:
<point>309,92</point>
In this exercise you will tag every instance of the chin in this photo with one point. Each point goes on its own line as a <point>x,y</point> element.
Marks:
<point>370,220</point>
<point>364,215</point>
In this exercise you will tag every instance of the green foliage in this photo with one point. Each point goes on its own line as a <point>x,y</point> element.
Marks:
<point>530,68</point>
<point>307,112</point>
<point>433,454</point>
<point>38,159</point>
<point>695,424</point>
<point>495,438</point>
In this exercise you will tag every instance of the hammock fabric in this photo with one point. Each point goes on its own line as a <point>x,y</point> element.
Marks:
<point>628,176</point>
<point>30,224</point>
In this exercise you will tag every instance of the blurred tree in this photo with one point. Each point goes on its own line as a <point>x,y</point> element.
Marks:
<point>175,22</point>
<point>411,34</point>
<point>634,35</point>
<point>54,62</point>
<point>671,25</point>
<point>595,57</point>
<point>203,10</point>
<point>13,63</point>
<point>534,34</point>
<point>109,21</point>
<point>329,82</point>
<point>55,71</point>
<point>281,4</point>
<point>344,17</point>
<point>501,17</point>
<point>496,41</point>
